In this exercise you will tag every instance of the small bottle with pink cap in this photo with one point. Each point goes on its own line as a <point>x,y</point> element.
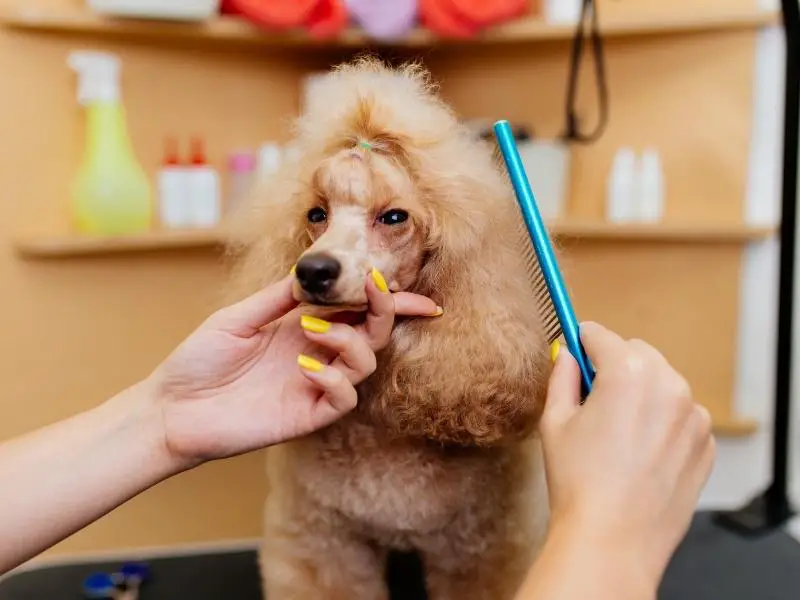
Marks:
<point>241,171</point>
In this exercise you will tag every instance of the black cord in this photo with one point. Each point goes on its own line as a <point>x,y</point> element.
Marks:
<point>572,132</point>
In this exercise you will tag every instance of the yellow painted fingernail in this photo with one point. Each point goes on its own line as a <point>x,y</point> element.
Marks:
<point>309,364</point>
<point>314,324</point>
<point>439,312</point>
<point>293,270</point>
<point>379,280</point>
<point>554,349</point>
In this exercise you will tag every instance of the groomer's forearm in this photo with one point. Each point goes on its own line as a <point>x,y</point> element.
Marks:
<point>57,480</point>
<point>575,564</point>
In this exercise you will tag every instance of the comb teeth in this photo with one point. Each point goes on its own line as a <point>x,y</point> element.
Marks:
<point>544,303</point>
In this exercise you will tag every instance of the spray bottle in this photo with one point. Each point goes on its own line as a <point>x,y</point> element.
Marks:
<point>111,193</point>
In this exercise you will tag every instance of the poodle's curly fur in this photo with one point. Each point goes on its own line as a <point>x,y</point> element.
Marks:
<point>441,454</point>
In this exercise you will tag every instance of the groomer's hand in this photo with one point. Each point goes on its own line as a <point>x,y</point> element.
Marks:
<point>625,470</point>
<point>254,375</point>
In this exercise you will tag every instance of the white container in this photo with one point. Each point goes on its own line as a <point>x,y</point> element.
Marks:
<point>171,10</point>
<point>173,201</point>
<point>562,12</point>
<point>270,157</point>
<point>547,164</point>
<point>204,196</point>
<point>622,187</point>
<point>650,198</point>
<point>203,188</point>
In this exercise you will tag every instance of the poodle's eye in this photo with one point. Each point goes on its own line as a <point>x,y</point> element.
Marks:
<point>393,217</point>
<point>316,215</point>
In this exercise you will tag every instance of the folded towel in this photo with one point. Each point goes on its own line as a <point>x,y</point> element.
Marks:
<point>441,19</point>
<point>489,12</point>
<point>274,14</point>
<point>384,19</point>
<point>327,20</point>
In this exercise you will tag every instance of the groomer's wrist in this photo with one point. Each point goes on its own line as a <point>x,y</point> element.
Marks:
<point>137,417</point>
<point>617,558</point>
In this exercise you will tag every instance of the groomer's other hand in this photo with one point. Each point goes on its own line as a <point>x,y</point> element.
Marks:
<point>628,466</point>
<point>253,375</point>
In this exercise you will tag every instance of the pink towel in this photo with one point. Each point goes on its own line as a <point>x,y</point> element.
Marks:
<point>384,19</point>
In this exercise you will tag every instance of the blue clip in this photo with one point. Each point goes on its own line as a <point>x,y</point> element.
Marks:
<point>100,585</point>
<point>135,573</point>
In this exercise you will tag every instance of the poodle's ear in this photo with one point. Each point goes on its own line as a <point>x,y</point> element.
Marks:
<point>478,374</point>
<point>266,235</point>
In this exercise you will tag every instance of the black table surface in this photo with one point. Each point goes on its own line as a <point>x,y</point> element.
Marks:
<point>711,564</point>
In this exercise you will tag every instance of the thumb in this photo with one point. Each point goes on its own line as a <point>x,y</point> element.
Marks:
<point>247,316</point>
<point>563,392</point>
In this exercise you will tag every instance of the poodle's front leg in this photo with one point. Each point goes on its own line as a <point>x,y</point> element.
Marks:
<point>306,555</point>
<point>497,574</point>
<point>485,553</point>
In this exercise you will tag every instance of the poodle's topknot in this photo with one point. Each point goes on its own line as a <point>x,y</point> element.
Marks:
<point>368,100</point>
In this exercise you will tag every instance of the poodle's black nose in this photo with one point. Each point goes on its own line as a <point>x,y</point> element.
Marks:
<point>317,273</point>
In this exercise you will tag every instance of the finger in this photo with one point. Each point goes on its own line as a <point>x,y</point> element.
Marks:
<point>563,393</point>
<point>247,316</point>
<point>602,345</point>
<point>380,312</point>
<point>414,305</point>
<point>355,358</point>
<point>339,393</point>
<point>703,426</point>
<point>701,468</point>
<point>707,460</point>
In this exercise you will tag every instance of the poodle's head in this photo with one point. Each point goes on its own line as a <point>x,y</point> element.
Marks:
<point>384,176</point>
<point>363,209</point>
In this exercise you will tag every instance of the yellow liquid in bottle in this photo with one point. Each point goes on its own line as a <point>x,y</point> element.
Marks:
<point>111,194</point>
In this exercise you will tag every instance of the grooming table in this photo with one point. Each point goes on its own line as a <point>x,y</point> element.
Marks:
<point>711,564</point>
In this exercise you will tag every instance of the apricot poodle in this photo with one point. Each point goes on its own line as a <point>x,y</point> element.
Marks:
<point>440,456</point>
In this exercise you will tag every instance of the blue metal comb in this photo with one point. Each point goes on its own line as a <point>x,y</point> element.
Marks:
<point>548,266</point>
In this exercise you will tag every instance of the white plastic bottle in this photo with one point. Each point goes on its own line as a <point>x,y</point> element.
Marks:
<point>651,186</point>
<point>562,12</point>
<point>622,187</point>
<point>173,200</point>
<point>269,159</point>
<point>203,189</point>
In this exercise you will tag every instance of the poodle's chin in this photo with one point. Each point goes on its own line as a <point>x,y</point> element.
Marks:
<point>349,315</point>
<point>332,301</point>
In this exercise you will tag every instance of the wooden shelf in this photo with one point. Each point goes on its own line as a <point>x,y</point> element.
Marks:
<point>733,427</point>
<point>66,246</point>
<point>234,31</point>
<point>659,232</point>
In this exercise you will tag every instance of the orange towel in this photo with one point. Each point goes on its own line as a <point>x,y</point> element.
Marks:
<point>438,16</point>
<point>275,14</point>
<point>488,12</point>
<point>327,20</point>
